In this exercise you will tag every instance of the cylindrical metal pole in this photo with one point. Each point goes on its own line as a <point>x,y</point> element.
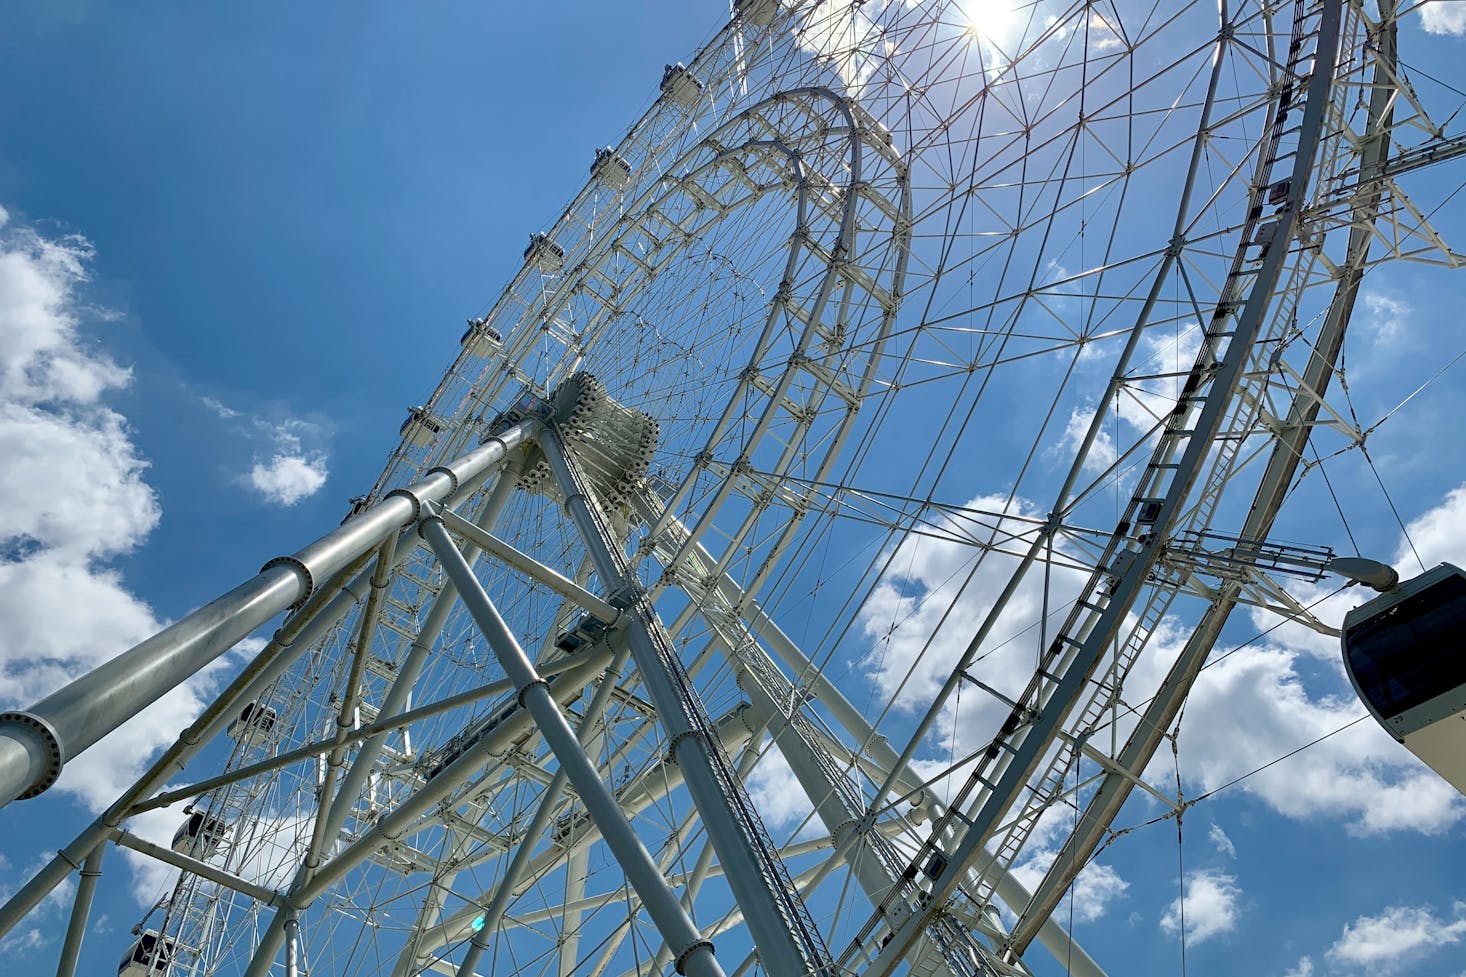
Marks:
<point>751,873</point>
<point>694,954</point>
<point>395,702</point>
<point>36,743</point>
<point>81,908</point>
<point>509,884</point>
<point>299,632</point>
<point>292,945</point>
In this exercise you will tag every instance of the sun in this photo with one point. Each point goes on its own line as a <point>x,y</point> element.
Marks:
<point>991,20</point>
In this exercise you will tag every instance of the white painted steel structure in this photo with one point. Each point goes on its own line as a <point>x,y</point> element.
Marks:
<point>793,326</point>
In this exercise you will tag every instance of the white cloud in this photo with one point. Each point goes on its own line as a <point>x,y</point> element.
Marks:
<point>1399,936</point>
<point>72,495</point>
<point>1304,968</point>
<point>46,922</point>
<point>72,480</point>
<point>289,478</point>
<point>1253,707</point>
<point>1221,842</point>
<point>846,35</point>
<point>933,599</point>
<point>1384,316</point>
<point>1444,17</point>
<point>1102,453</point>
<point>1095,888</point>
<point>71,491</point>
<point>1209,904</point>
<point>23,942</point>
<point>1439,535</point>
<point>776,792</point>
<point>290,461</point>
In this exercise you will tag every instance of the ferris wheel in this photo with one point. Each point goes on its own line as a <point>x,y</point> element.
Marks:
<point>778,554</point>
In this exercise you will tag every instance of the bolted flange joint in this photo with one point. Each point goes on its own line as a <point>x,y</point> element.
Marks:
<point>50,743</point>
<point>688,951</point>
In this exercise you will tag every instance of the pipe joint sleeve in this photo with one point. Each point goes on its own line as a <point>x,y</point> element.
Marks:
<point>41,733</point>
<point>307,579</point>
<point>411,496</point>
<point>689,951</point>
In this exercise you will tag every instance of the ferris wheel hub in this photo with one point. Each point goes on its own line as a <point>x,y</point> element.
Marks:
<point>612,444</point>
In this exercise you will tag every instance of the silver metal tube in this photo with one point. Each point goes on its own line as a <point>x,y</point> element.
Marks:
<point>396,699</point>
<point>77,715</point>
<point>694,954</point>
<point>508,885</point>
<point>752,878</point>
<point>394,823</point>
<point>528,565</point>
<point>633,797</point>
<point>263,670</point>
<point>36,743</point>
<point>351,693</point>
<point>292,945</point>
<point>873,746</point>
<point>81,908</point>
<point>299,632</point>
<point>194,866</point>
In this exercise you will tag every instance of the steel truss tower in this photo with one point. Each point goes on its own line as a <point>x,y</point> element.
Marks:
<point>1062,294</point>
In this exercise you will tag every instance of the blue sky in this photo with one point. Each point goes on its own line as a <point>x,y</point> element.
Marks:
<point>245,242</point>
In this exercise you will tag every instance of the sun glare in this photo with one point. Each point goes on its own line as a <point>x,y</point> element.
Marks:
<point>991,20</point>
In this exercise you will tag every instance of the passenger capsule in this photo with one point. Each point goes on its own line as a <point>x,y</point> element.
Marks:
<point>544,254</point>
<point>1405,652</point>
<point>421,428</point>
<point>149,956</point>
<point>611,169</point>
<point>760,12</point>
<point>680,86</point>
<point>481,339</point>
<point>255,725</point>
<point>200,835</point>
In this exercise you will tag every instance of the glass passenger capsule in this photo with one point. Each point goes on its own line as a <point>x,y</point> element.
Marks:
<point>1405,652</point>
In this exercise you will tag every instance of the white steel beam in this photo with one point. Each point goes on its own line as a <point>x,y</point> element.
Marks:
<point>694,954</point>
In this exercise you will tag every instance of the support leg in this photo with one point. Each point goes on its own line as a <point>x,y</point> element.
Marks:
<point>81,908</point>
<point>694,954</point>
<point>789,945</point>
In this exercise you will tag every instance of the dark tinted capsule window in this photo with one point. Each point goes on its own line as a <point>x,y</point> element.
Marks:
<point>1414,651</point>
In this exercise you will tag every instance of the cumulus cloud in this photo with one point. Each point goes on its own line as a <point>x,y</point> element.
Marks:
<point>1208,907</point>
<point>1438,535</point>
<point>44,926</point>
<point>1385,316</point>
<point>290,461</point>
<point>1256,705</point>
<point>1096,888</point>
<point>1444,17</point>
<point>777,793</point>
<point>932,600</point>
<point>1398,937</point>
<point>72,496</point>
<point>1102,452</point>
<point>846,35</point>
<point>1253,707</point>
<point>1303,969</point>
<point>287,479</point>
<point>1360,774</point>
<point>72,490</point>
